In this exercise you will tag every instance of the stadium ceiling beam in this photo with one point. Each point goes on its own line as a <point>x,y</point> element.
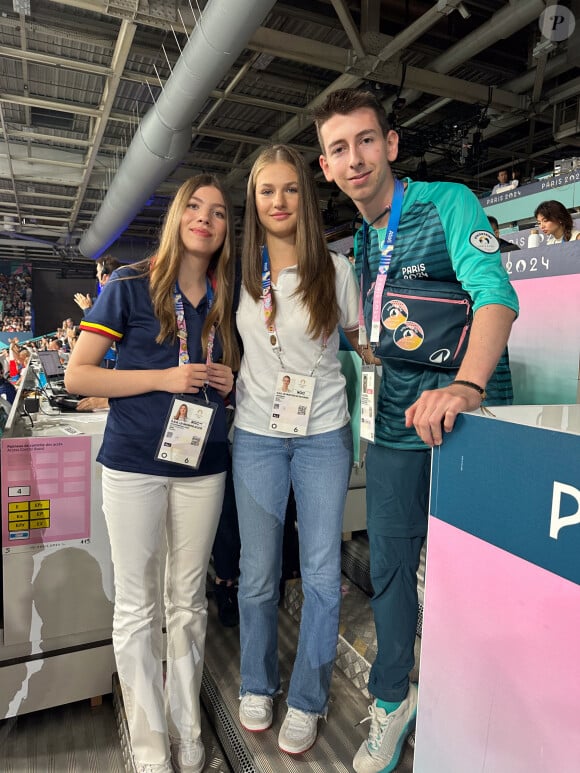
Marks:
<point>304,51</point>
<point>136,77</point>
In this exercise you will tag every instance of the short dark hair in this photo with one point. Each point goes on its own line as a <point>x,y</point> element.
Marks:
<point>108,264</point>
<point>493,221</point>
<point>346,101</point>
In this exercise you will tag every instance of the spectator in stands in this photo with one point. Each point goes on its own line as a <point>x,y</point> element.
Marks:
<point>555,222</point>
<point>7,389</point>
<point>14,364</point>
<point>54,345</point>
<point>72,335</point>
<point>504,245</point>
<point>22,358</point>
<point>66,334</point>
<point>105,266</point>
<point>504,183</point>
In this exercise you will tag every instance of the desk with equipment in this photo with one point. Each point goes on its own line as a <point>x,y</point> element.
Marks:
<point>55,644</point>
<point>53,372</point>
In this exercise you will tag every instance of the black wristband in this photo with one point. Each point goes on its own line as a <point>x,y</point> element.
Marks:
<point>471,385</point>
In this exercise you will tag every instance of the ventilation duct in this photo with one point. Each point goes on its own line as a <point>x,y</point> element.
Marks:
<point>164,136</point>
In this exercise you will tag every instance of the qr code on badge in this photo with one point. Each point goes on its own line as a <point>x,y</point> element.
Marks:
<point>301,410</point>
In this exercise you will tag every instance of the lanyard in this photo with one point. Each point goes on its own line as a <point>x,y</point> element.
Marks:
<point>267,306</point>
<point>384,263</point>
<point>182,327</point>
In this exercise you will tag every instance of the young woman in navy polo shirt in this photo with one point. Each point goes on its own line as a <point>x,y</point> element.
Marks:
<point>171,318</point>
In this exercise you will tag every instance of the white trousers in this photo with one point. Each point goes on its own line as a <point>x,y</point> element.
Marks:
<point>150,519</point>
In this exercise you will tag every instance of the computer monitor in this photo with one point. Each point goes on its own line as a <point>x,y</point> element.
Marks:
<point>51,364</point>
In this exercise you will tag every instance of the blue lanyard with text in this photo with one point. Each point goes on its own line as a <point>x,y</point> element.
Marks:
<point>182,327</point>
<point>267,305</point>
<point>384,263</point>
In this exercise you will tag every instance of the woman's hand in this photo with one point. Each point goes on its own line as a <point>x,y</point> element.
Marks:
<point>186,379</point>
<point>93,404</point>
<point>221,378</point>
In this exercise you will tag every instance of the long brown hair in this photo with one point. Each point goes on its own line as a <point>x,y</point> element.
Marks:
<point>163,269</point>
<point>316,273</point>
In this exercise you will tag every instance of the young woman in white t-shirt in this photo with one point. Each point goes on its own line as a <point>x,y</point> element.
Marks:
<point>291,428</point>
<point>556,222</point>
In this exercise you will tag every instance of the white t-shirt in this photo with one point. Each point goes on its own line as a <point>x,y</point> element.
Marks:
<point>504,187</point>
<point>551,239</point>
<point>260,365</point>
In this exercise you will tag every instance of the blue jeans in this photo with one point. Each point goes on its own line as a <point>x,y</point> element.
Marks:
<point>318,466</point>
<point>397,504</point>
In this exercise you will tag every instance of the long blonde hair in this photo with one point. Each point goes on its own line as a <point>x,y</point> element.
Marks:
<point>316,273</point>
<point>163,269</point>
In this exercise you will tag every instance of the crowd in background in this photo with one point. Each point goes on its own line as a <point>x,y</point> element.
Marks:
<point>16,302</point>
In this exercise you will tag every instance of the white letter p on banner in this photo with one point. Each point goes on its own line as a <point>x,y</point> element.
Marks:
<point>557,523</point>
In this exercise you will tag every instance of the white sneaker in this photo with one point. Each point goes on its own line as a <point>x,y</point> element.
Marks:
<point>381,751</point>
<point>298,731</point>
<point>187,756</point>
<point>256,712</point>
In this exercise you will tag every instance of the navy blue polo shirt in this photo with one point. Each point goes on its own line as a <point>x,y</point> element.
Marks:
<point>124,313</point>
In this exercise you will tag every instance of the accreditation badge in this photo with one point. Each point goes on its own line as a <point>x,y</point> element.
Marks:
<point>186,431</point>
<point>292,403</point>
<point>368,402</point>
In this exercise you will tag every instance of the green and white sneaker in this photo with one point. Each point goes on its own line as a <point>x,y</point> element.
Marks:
<point>381,751</point>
